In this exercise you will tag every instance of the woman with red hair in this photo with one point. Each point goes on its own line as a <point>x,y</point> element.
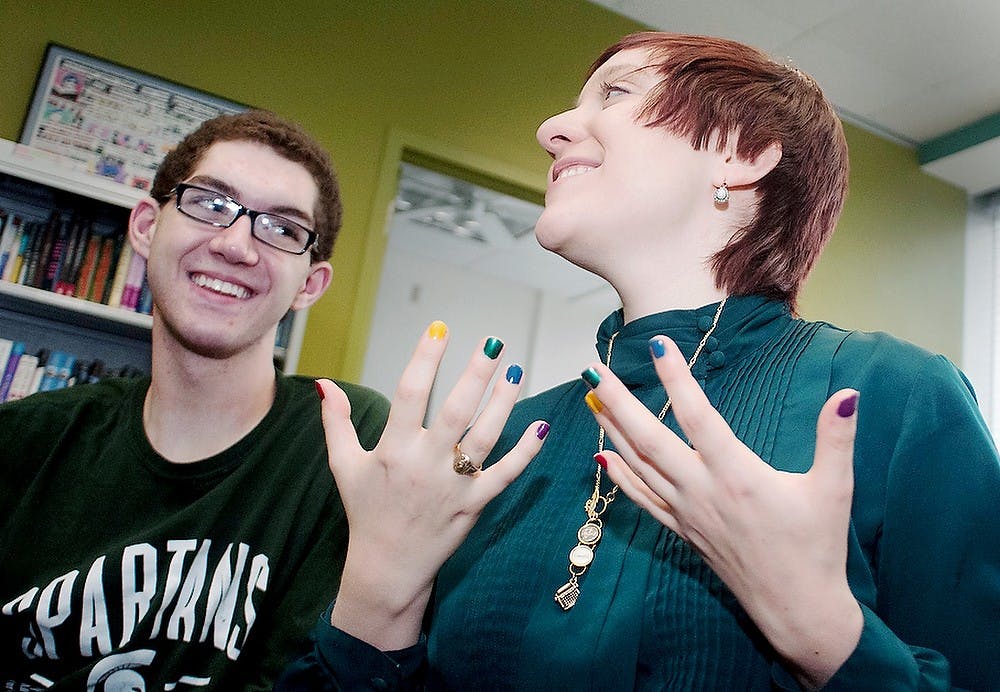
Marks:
<point>724,539</point>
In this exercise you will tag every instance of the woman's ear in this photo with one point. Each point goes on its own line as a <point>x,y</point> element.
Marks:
<point>315,284</point>
<point>142,225</point>
<point>739,172</point>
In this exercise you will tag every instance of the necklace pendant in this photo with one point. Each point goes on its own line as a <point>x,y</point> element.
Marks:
<point>567,594</point>
<point>589,533</point>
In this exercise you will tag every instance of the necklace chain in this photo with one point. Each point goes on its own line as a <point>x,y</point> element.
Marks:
<point>590,532</point>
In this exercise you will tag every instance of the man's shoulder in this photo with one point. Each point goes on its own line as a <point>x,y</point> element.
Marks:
<point>107,393</point>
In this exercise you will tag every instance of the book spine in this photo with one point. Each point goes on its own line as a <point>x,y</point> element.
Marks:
<point>120,274</point>
<point>85,278</point>
<point>29,257</point>
<point>145,305</point>
<point>70,259</point>
<point>36,381</point>
<point>13,270</point>
<point>133,281</point>
<point>20,386</point>
<point>54,258</point>
<point>96,293</point>
<point>6,241</point>
<point>6,347</point>
<point>16,351</point>
<point>58,371</point>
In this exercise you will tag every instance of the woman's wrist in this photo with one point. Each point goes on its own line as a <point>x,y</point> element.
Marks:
<point>372,606</point>
<point>817,639</point>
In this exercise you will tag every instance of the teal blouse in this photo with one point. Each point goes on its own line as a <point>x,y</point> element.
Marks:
<point>924,540</point>
<point>924,553</point>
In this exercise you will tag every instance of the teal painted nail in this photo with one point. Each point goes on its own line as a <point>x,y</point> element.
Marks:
<point>591,377</point>
<point>492,348</point>
<point>514,373</point>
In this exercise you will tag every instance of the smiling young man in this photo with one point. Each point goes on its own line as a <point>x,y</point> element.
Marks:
<point>179,531</point>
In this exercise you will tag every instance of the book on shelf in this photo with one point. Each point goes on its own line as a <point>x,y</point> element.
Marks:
<point>58,371</point>
<point>23,381</point>
<point>68,253</point>
<point>119,274</point>
<point>14,351</point>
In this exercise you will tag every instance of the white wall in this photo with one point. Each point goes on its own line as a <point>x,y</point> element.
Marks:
<point>982,309</point>
<point>551,337</point>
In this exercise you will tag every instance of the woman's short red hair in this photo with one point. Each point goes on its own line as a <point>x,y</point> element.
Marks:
<point>713,85</point>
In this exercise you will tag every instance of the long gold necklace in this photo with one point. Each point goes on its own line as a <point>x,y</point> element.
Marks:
<point>590,532</point>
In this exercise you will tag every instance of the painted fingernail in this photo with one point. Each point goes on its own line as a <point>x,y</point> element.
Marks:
<point>602,460</point>
<point>593,403</point>
<point>543,430</point>
<point>656,347</point>
<point>514,373</point>
<point>492,348</point>
<point>319,390</point>
<point>848,406</point>
<point>591,377</point>
<point>438,330</point>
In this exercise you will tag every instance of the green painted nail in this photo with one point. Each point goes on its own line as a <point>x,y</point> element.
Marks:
<point>591,377</point>
<point>492,348</point>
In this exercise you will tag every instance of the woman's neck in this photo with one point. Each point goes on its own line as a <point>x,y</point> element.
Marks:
<point>641,297</point>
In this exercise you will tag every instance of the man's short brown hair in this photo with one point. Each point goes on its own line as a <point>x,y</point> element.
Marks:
<point>286,138</point>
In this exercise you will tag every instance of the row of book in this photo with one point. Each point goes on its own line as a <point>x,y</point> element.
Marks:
<point>23,374</point>
<point>73,256</point>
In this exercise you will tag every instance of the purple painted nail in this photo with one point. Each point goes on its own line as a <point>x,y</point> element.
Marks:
<point>543,430</point>
<point>848,406</point>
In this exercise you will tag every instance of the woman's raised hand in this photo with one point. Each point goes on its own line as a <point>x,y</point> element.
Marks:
<point>777,539</point>
<point>407,507</point>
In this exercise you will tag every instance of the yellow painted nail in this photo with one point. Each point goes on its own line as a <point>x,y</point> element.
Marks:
<point>593,403</point>
<point>438,330</point>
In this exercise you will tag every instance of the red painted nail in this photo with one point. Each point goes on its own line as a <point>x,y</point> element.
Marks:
<point>602,460</point>
<point>319,390</point>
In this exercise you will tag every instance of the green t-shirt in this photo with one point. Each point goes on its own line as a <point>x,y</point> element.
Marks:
<point>120,567</point>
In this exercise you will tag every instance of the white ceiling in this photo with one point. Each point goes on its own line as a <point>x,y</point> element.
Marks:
<point>909,70</point>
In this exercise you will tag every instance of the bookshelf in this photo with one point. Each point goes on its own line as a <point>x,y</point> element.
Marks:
<point>33,183</point>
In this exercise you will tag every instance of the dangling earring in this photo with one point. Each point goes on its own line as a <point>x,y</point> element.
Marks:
<point>721,194</point>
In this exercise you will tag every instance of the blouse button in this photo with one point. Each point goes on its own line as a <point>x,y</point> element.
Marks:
<point>717,359</point>
<point>705,322</point>
<point>711,344</point>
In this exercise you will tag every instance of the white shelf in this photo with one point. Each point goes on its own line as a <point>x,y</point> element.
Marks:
<point>29,300</point>
<point>45,168</point>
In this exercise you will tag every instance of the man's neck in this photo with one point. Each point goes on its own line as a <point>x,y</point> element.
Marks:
<point>198,406</point>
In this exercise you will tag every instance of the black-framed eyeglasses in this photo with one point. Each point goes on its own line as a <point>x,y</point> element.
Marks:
<point>222,211</point>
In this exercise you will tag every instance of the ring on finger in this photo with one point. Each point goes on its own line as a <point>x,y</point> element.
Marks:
<point>463,463</point>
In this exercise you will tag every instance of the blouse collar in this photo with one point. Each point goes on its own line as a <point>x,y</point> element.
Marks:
<point>746,323</point>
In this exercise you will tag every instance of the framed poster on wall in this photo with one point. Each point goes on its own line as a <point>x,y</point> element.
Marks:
<point>110,120</point>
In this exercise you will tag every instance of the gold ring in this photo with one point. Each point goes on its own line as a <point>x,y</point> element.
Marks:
<point>463,464</point>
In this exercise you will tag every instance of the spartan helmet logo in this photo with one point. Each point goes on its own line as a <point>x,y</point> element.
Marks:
<point>118,673</point>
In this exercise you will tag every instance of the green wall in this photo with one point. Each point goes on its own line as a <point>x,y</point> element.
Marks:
<point>468,81</point>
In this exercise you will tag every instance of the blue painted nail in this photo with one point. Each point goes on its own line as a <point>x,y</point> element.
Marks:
<point>591,377</point>
<point>848,406</point>
<point>514,373</point>
<point>492,348</point>
<point>656,347</point>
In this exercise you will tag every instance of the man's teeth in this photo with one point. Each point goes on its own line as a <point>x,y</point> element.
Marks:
<point>574,170</point>
<point>220,286</point>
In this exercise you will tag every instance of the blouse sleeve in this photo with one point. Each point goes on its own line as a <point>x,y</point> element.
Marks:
<point>337,661</point>
<point>936,563</point>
